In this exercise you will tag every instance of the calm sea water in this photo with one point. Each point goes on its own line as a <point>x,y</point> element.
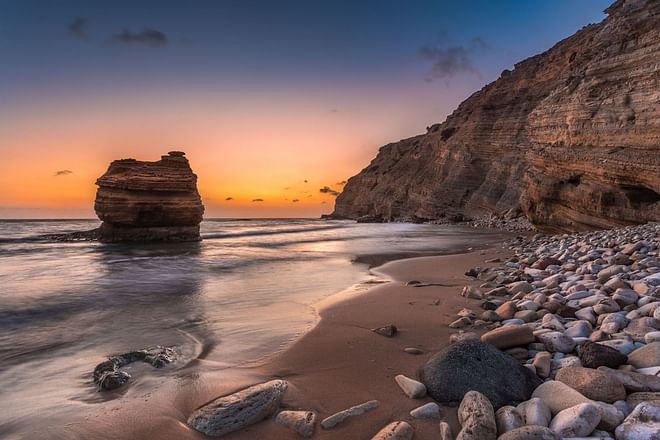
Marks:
<point>245,291</point>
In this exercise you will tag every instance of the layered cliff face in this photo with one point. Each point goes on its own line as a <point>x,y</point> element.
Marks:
<point>570,136</point>
<point>144,201</point>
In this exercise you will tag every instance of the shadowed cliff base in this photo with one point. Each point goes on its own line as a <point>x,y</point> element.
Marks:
<point>570,136</point>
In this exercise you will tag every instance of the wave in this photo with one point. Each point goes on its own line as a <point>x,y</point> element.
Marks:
<point>208,236</point>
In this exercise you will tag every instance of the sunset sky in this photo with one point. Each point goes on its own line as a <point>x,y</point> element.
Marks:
<point>270,100</point>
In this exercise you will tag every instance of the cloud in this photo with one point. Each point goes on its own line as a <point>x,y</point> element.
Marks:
<point>342,183</point>
<point>323,202</point>
<point>448,60</point>
<point>63,172</point>
<point>305,180</point>
<point>229,198</point>
<point>333,110</point>
<point>78,28</point>
<point>257,200</point>
<point>295,200</point>
<point>148,37</point>
<point>328,190</point>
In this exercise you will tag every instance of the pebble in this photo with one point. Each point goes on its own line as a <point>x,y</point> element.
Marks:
<point>507,419</point>
<point>592,384</point>
<point>445,431</point>
<point>477,418</point>
<point>531,432</point>
<point>556,341</point>
<point>387,330</point>
<point>302,422</point>
<point>576,421</point>
<point>430,410</point>
<point>395,431</point>
<point>558,396</point>
<point>509,336</point>
<point>647,356</point>
<point>412,388</point>
<point>337,418</point>
<point>643,423</point>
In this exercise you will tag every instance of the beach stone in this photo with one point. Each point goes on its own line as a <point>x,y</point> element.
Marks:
<point>606,305</point>
<point>586,314</point>
<point>526,315</point>
<point>236,411</point>
<point>429,410</point>
<point>506,310</point>
<point>635,399</point>
<point>535,412</point>
<point>598,336</point>
<point>641,424</point>
<point>610,416</point>
<point>519,353</point>
<point>413,350</point>
<point>576,421</point>
<point>530,432</point>
<point>461,322</point>
<point>541,364</point>
<point>552,322</point>
<point>633,381</point>
<point>520,286</point>
<point>640,327</point>
<point>302,422</point>
<point>625,297</point>
<point>624,346</point>
<point>581,329</point>
<point>395,431</point>
<point>647,356</point>
<point>613,322</point>
<point>386,330</point>
<point>557,342</point>
<point>558,396</point>
<point>592,384</point>
<point>477,418</point>
<point>594,355</point>
<point>472,292</point>
<point>412,388</point>
<point>609,272</point>
<point>463,336</point>
<point>337,418</point>
<point>509,336</point>
<point>445,431</point>
<point>451,373</point>
<point>507,419</point>
<point>490,316</point>
<point>652,337</point>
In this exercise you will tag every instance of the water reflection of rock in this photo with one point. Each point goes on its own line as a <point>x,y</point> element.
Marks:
<point>152,291</point>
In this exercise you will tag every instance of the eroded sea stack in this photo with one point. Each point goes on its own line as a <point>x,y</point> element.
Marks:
<point>149,201</point>
<point>571,137</point>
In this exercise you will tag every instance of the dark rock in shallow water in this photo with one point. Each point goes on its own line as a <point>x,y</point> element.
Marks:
<point>236,411</point>
<point>594,355</point>
<point>149,201</point>
<point>108,374</point>
<point>473,365</point>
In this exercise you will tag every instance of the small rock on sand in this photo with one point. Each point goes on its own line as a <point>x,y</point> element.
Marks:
<point>477,418</point>
<point>386,330</point>
<point>236,411</point>
<point>576,421</point>
<point>530,432</point>
<point>412,388</point>
<point>301,422</point>
<point>395,431</point>
<point>337,418</point>
<point>429,410</point>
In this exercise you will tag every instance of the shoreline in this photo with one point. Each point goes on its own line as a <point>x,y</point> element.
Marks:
<point>340,362</point>
<point>326,366</point>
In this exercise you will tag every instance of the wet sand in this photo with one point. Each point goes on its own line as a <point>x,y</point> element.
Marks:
<point>338,364</point>
<point>341,363</point>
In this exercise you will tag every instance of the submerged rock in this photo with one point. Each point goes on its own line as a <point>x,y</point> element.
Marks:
<point>109,376</point>
<point>149,201</point>
<point>236,411</point>
<point>472,365</point>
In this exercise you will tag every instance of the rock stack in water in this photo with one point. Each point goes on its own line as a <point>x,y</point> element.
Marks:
<point>149,201</point>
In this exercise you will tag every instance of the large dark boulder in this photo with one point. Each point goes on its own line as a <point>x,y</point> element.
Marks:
<point>597,355</point>
<point>472,365</point>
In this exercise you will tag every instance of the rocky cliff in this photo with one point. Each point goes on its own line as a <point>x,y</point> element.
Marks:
<point>571,137</point>
<point>143,201</point>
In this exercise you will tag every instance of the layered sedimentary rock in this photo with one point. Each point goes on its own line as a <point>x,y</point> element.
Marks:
<point>571,137</point>
<point>144,201</point>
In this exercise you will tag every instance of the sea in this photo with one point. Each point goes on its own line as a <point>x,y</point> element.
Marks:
<point>247,290</point>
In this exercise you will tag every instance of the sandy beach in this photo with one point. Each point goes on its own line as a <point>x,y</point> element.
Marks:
<point>341,363</point>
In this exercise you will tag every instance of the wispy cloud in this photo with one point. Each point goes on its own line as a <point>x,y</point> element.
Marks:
<point>78,28</point>
<point>448,59</point>
<point>328,190</point>
<point>295,200</point>
<point>147,37</point>
<point>229,198</point>
<point>257,200</point>
<point>63,173</point>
